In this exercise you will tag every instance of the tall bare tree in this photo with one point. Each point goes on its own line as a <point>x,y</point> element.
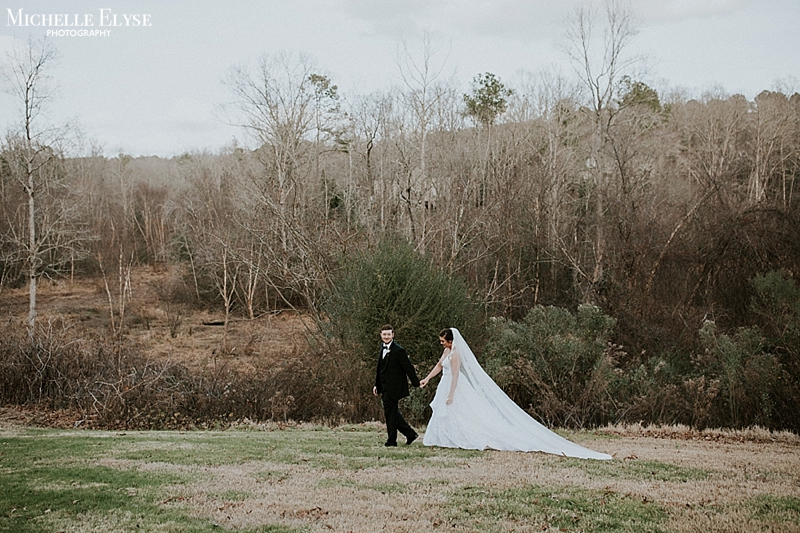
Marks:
<point>33,148</point>
<point>600,65</point>
<point>772,138</point>
<point>368,116</point>
<point>276,105</point>
<point>326,111</point>
<point>424,90</point>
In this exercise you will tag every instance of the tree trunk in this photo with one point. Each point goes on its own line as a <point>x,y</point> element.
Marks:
<point>33,256</point>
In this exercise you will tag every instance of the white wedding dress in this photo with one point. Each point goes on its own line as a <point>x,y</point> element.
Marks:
<point>482,416</point>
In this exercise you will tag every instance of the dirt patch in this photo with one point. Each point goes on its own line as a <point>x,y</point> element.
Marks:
<point>196,338</point>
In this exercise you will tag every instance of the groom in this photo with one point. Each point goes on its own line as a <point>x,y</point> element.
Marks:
<point>391,382</point>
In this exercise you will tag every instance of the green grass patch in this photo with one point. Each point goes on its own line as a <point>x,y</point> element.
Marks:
<point>775,509</point>
<point>51,481</point>
<point>335,449</point>
<point>383,488</point>
<point>230,496</point>
<point>90,481</point>
<point>86,480</point>
<point>640,470</point>
<point>565,508</point>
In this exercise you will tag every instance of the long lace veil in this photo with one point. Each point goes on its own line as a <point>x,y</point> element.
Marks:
<point>474,373</point>
<point>507,421</point>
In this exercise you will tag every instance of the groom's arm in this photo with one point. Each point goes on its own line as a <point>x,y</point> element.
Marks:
<point>408,368</point>
<point>377,388</point>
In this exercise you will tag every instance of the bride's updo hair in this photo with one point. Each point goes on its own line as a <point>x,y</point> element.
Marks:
<point>447,334</point>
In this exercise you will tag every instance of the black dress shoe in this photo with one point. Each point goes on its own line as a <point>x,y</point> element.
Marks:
<point>390,444</point>
<point>411,439</point>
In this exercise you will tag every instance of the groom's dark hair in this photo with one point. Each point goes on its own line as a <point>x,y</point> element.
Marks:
<point>387,327</point>
<point>446,334</point>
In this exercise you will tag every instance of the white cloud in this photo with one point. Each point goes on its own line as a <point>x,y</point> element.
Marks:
<point>680,10</point>
<point>505,19</point>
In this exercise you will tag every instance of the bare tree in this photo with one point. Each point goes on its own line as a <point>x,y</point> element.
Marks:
<point>27,74</point>
<point>34,156</point>
<point>424,90</point>
<point>326,113</point>
<point>123,291</point>
<point>543,113</point>
<point>600,65</point>
<point>367,123</point>
<point>276,105</point>
<point>772,139</point>
<point>252,256</point>
<point>151,218</point>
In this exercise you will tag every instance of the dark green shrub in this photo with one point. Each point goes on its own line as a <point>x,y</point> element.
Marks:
<point>748,375</point>
<point>777,302</point>
<point>393,284</point>
<point>558,365</point>
<point>656,391</point>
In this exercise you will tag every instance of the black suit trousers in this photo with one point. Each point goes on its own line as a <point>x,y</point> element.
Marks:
<point>394,420</point>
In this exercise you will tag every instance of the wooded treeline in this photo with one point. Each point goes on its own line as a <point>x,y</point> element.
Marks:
<point>658,209</point>
<point>662,226</point>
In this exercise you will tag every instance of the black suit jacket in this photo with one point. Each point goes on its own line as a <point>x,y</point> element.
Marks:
<point>394,371</point>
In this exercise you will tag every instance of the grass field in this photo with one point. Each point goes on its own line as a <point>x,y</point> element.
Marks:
<point>306,478</point>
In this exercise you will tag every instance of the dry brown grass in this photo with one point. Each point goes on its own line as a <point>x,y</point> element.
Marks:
<point>711,491</point>
<point>198,344</point>
<point>360,502</point>
<point>681,432</point>
<point>342,479</point>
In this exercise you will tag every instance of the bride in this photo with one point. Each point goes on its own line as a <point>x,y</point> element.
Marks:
<point>470,411</point>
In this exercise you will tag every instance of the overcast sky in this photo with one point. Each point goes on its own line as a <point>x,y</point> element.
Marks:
<point>155,90</point>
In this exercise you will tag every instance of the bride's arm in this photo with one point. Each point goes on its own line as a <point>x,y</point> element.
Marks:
<point>455,362</point>
<point>435,370</point>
